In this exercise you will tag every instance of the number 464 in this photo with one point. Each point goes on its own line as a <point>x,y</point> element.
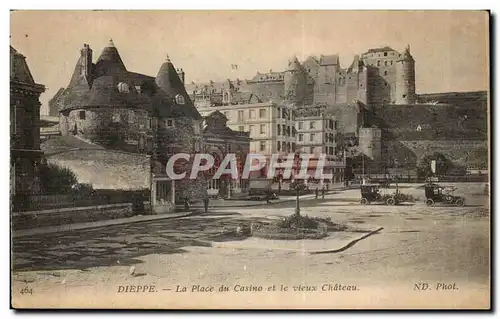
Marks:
<point>27,290</point>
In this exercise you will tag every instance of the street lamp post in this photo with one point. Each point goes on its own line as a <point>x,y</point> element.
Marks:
<point>298,185</point>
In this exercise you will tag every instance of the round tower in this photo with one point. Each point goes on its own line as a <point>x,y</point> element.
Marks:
<point>405,78</point>
<point>294,82</point>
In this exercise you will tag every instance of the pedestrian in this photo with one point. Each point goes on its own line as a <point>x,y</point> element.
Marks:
<point>186,204</point>
<point>268,197</point>
<point>205,203</point>
<point>323,193</point>
<point>317,193</point>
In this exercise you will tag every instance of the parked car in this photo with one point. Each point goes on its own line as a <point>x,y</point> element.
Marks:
<point>435,193</point>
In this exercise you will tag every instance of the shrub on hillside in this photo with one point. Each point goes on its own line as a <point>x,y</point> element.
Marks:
<point>56,179</point>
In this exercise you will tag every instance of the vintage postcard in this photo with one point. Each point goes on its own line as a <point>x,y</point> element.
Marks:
<point>250,159</point>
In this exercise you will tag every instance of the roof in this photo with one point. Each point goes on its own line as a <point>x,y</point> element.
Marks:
<point>109,61</point>
<point>19,70</point>
<point>169,82</point>
<point>332,59</point>
<point>383,49</point>
<point>141,91</point>
<point>103,93</point>
<point>294,64</point>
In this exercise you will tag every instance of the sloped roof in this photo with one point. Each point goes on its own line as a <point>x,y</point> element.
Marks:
<point>294,64</point>
<point>103,93</point>
<point>110,56</point>
<point>169,82</point>
<point>383,49</point>
<point>19,70</point>
<point>332,59</point>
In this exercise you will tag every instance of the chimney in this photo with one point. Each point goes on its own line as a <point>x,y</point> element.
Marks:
<point>181,74</point>
<point>86,61</point>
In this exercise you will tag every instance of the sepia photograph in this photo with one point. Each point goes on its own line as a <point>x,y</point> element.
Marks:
<point>251,159</point>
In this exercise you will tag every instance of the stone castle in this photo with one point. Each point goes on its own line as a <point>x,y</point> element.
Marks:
<point>378,76</point>
<point>373,101</point>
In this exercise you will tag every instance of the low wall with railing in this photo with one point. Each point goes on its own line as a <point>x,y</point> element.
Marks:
<point>70,215</point>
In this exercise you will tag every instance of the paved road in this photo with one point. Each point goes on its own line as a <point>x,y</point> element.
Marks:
<point>418,244</point>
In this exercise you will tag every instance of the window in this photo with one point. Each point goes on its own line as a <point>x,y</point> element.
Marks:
<point>131,116</point>
<point>13,120</point>
<point>279,129</point>
<point>150,123</point>
<point>385,53</point>
<point>385,63</point>
<point>279,146</point>
<point>391,62</point>
<point>263,129</point>
<point>330,124</point>
<point>123,87</point>
<point>279,112</point>
<point>294,147</point>
<point>301,125</point>
<point>251,114</point>
<point>240,116</point>
<point>283,113</point>
<point>262,113</point>
<point>378,63</point>
<point>169,123</point>
<point>385,72</point>
<point>196,146</point>
<point>301,137</point>
<point>312,125</point>
<point>179,99</point>
<point>81,115</point>
<point>241,128</point>
<point>311,137</point>
<point>262,146</point>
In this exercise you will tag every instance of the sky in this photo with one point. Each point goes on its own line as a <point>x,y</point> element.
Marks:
<point>451,48</point>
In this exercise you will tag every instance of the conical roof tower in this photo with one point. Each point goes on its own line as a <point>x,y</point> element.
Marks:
<point>109,62</point>
<point>170,83</point>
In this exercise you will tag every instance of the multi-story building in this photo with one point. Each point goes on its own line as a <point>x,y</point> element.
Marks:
<point>26,155</point>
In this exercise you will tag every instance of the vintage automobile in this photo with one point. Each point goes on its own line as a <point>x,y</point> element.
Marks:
<point>435,193</point>
<point>371,193</point>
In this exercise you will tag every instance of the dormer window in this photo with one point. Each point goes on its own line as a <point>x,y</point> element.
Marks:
<point>123,87</point>
<point>179,99</point>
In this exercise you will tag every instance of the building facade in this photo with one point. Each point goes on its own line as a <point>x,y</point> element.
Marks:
<point>219,141</point>
<point>26,156</point>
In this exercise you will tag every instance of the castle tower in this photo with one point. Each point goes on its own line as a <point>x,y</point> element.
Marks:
<point>86,62</point>
<point>169,82</point>
<point>405,78</point>
<point>370,143</point>
<point>295,82</point>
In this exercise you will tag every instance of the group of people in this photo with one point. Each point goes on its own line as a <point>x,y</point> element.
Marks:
<point>322,193</point>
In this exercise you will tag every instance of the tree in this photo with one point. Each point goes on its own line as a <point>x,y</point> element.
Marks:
<point>55,179</point>
<point>443,165</point>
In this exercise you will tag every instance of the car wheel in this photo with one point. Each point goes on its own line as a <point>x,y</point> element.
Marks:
<point>429,202</point>
<point>364,201</point>
<point>390,201</point>
<point>460,202</point>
